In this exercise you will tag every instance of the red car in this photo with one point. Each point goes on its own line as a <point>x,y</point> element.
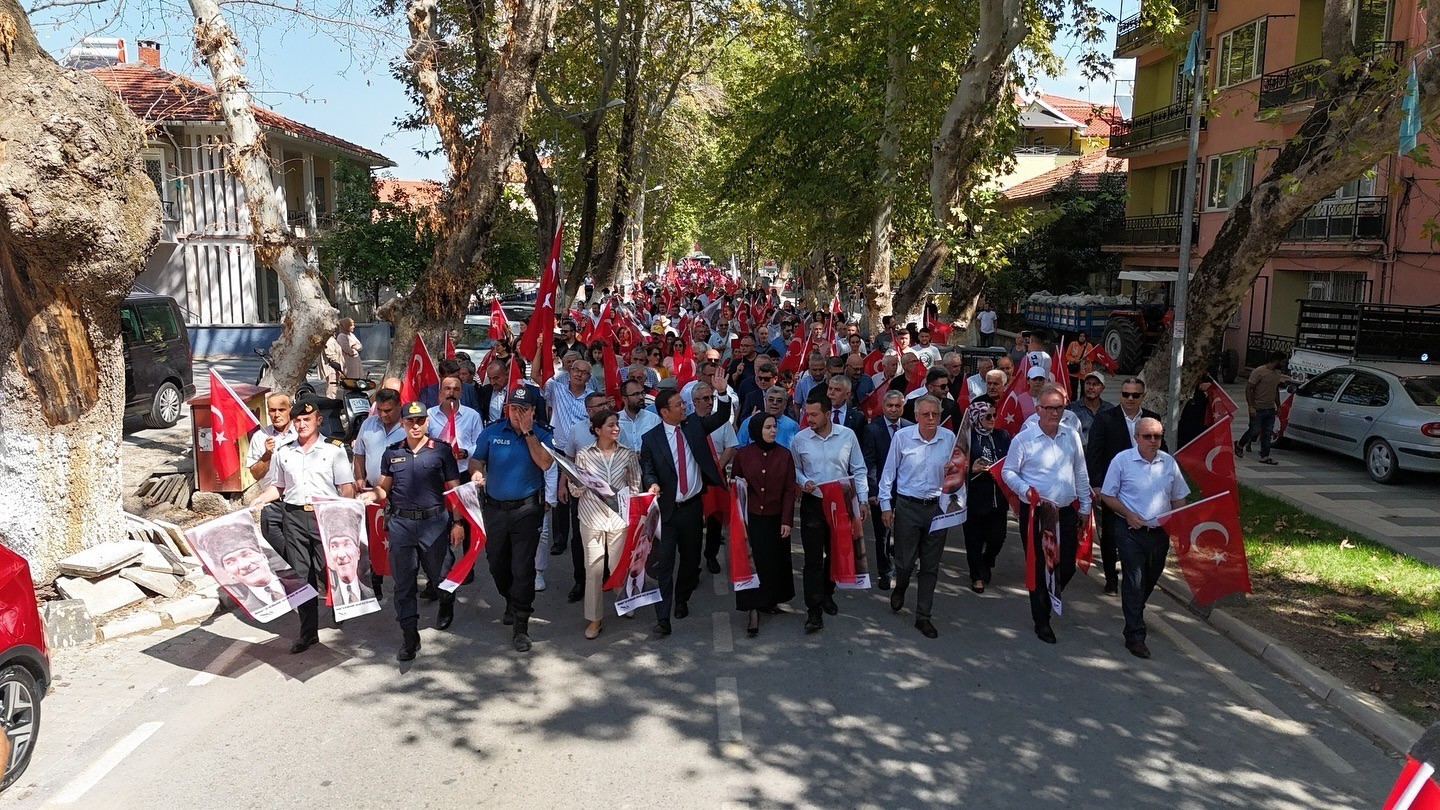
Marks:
<point>24,666</point>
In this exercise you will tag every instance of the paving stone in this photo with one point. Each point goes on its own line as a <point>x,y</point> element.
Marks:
<point>155,582</point>
<point>190,610</point>
<point>101,596</point>
<point>105,558</point>
<point>67,623</point>
<point>162,560</point>
<point>144,622</point>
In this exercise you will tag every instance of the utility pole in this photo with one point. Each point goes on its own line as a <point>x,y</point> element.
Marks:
<point>1187,226</point>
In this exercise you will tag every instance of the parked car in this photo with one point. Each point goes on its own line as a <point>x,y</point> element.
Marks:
<point>1386,415</point>
<point>474,337</point>
<point>158,375</point>
<point>24,666</point>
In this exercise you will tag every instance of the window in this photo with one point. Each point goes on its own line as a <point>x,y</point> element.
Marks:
<point>1176,199</point>
<point>1242,54</point>
<point>129,325</point>
<point>156,169</point>
<point>1325,285</point>
<point>1228,179</point>
<point>1372,21</point>
<point>1422,390</point>
<point>1324,387</point>
<point>157,323</point>
<point>322,206</point>
<point>1366,390</point>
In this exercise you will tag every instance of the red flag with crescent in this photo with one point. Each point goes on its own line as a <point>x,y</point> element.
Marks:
<point>379,535</point>
<point>848,568</point>
<point>1209,546</point>
<point>1220,403</point>
<point>449,345</point>
<point>421,381</point>
<point>465,499</point>
<point>742,564</point>
<point>1097,354</point>
<point>535,344</point>
<point>874,361</point>
<point>230,419</point>
<point>499,324</point>
<point>1209,460</point>
<point>874,402</point>
<point>1012,413</point>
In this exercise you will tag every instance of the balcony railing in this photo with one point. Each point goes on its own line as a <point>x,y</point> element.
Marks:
<point>1360,219</point>
<point>1302,82</point>
<point>1130,34</point>
<point>1152,126</point>
<point>1155,229</point>
<point>1046,150</point>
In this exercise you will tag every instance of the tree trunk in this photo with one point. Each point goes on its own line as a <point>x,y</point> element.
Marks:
<point>78,217</point>
<point>914,290</point>
<point>309,316</point>
<point>964,294</point>
<point>877,268</point>
<point>541,191</point>
<point>625,152</point>
<point>589,210</point>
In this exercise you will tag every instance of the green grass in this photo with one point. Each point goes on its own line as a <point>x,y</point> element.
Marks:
<point>1385,606</point>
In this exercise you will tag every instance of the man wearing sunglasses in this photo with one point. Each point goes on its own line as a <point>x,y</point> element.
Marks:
<point>1143,483</point>
<point>1112,433</point>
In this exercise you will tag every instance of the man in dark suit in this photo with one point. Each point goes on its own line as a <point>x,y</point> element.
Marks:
<point>1111,434</point>
<point>875,446</point>
<point>676,463</point>
<point>842,412</point>
<point>937,384</point>
<point>491,395</point>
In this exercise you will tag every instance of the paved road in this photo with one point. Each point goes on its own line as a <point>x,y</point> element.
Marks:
<point>865,713</point>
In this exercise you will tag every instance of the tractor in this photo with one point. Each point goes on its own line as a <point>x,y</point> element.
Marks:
<point>1132,333</point>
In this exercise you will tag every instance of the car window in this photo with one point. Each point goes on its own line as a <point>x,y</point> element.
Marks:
<point>1367,390</point>
<point>157,323</point>
<point>475,336</point>
<point>1324,387</point>
<point>1422,390</point>
<point>129,325</point>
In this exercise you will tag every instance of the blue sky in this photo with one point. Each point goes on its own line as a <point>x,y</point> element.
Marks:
<point>339,81</point>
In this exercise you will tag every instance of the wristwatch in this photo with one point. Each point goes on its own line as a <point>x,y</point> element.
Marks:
<point>527,434</point>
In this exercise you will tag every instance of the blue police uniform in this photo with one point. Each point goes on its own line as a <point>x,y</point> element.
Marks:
<point>419,524</point>
<point>514,509</point>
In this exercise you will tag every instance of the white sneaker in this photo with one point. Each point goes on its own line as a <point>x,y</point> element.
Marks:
<point>539,581</point>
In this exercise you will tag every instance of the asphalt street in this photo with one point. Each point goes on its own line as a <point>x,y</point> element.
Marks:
<point>867,712</point>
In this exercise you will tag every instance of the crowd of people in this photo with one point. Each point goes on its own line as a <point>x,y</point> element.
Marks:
<point>724,387</point>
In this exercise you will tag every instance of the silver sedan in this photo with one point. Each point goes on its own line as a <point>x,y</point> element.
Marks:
<point>1386,415</point>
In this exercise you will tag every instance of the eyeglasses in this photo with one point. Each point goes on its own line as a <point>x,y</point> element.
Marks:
<point>987,416</point>
<point>1052,408</point>
<point>1154,437</point>
<point>1132,394</point>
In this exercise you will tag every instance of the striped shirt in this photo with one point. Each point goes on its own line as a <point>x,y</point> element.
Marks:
<point>620,468</point>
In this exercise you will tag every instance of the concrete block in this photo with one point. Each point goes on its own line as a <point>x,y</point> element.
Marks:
<point>192,609</point>
<point>1377,719</point>
<point>101,596</point>
<point>152,581</point>
<point>1316,681</point>
<point>161,560</point>
<point>105,558</point>
<point>143,622</point>
<point>177,537</point>
<point>207,586</point>
<point>67,623</point>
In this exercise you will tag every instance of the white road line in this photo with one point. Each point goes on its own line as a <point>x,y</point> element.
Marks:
<point>1271,714</point>
<point>221,662</point>
<point>727,712</point>
<point>89,777</point>
<point>724,636</point>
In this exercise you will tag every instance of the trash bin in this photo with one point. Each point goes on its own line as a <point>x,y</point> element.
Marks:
<point>201,443</point>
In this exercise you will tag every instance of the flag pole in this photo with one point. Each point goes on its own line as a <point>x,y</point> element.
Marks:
<point>1187,224</point>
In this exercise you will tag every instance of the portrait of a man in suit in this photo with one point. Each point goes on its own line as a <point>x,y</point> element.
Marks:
<point>251,572</point>
<point>347,563</point>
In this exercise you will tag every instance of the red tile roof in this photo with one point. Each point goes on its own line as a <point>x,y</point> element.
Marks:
<point>1095,117</point>
<point>158,96</point>
<point>1086,171</point>
<point>410,194</point>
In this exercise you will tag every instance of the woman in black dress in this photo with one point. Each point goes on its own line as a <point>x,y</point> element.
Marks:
<point>986,508</point>
<point>769,473</point>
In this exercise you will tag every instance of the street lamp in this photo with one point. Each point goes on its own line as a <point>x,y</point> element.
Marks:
<point>609,105</point>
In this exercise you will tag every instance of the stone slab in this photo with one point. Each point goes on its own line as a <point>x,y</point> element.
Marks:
<point>193,609</point>
<point>143,622</point>
<point>101,596</point>
<point>157,583</point>
<point>105,558</point>
<point>161,560</point>
<point>67,623</point>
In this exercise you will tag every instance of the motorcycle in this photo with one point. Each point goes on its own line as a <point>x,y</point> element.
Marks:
<point>340,417</point>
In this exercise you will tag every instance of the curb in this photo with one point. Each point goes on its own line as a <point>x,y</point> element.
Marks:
<point>1363,711</point>
<point>192,609</point>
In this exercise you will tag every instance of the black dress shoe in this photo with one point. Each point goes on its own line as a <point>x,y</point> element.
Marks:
<point>576,593</point>
<point>558,549</point>
<point>682,608</point>
<point>977,585</point>
<point>1138,649</point>
<point>409,646</point>
<point>508,618</point>
<point>897,600</point>
<point>926,628</point>
<point>988,572</point>
<point>378,586</point>
<point>753,628</point>
<point>1239,450</point>
<point>713,565</point>
<point>662,627</point>
<point>429,593</point>
<point>1045,634</point>
<point>883,583</point>
<point>446,615</point>
<point>829,606</point>
<point>1111,589</point>
<point>775,610</point>
<point>304,643</point>
<point>813,621</point>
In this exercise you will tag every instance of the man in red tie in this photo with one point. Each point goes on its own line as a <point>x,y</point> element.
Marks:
<point>676,463</point>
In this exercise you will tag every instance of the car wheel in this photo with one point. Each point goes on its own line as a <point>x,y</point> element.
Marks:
<point>164,407</point>
<point>1380,462</point>
<point>20,719</point>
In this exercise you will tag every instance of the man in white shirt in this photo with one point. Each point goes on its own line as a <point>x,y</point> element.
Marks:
<point>976,382</point>
<point>467,420</point>
<point>889,367</point>
<point>1142,483</point>
<point>379,430</point>
<point>823,452</point>
<point>928,352</point>
<point>986,318</point>
<point>258,456</point>
<point>1046,463</point>
<point>910,500</point>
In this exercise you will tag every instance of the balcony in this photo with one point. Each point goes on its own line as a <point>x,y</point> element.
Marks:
<point>1363,219</point>
<point>1164,124</point>
<point>1301,83</point>
<point>1154,229</point>
<point>1131,36</point>
<point>1046,151</point>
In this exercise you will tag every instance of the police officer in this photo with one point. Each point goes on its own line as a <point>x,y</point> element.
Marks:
<point>305,469</point>
<point>513,504</point>
<point>414,474</point>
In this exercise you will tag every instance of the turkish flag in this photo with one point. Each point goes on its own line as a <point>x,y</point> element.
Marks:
<point>499,325</point>
<point>1060,370</point>
<point>379,535</point>
<point>1097,354</point>
<point>449,345</point>
<point>1284,413</point>
<point>742,564</point>
<point>421,381</point>
<point>611,368</point>
<point>873,362</point>
<point>1210,547</point>
<point>847,565</point>
<point>684,364</point>
<point>229,420</point>
<point>1415,789</point>
<point>640,521</point>
<point>915,377</point>
<point>541,326</point>
<point>1209,460</point>
<point>874,402</point>
<point>1085,543</point>
<point>516,376</point>
<point>939,330</point>
<point>1220,403</point>
<point>1013,412</point>
<point>796,354</point>
<point>466,500</point>
<point>996,472</point>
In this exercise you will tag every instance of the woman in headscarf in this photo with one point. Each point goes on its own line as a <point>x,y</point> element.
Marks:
<point>986,509</point>
<point>769,474</point>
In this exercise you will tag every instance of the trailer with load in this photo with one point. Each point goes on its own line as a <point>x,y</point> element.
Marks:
<point>1329,334</point>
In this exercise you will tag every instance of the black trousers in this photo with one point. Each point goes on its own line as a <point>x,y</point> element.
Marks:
<point>680,536</point>
<point>568,515</point>
<point>302,551</point>
<point>884,543</point>
<point>984,537</point>
<point>714,537</point>
<point>1109,554</point>
<point>815,540</point>
<point>272,525</point>
<point>1142,554</point>
<point>511,537</point>
<point>1064,566</point>
<point>416,544</point>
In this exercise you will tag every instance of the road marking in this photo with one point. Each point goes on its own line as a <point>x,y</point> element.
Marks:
<point>221,662</point>
<point>727,712</point>
<point>724,637</point>
<point>721,583</point>
<point>89,777</point>
<point>1268,713</point>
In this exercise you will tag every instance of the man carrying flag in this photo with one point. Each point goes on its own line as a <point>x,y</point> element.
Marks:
<point>414,474</point>
<point>230,418</point>
<point>824,452</point>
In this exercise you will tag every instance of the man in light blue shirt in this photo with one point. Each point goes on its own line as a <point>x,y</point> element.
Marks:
<point>824,452</point>
<point>785,427</point>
